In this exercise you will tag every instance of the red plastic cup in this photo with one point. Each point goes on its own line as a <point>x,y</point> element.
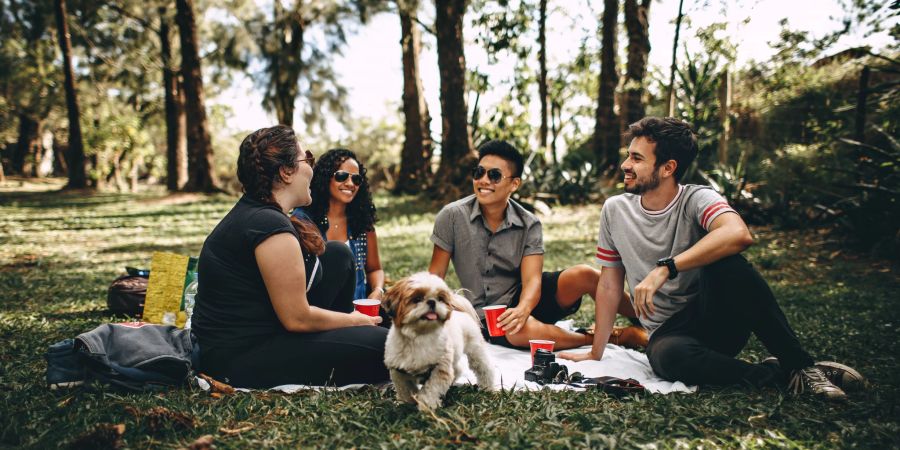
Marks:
<point>539,343</point>
<point>491,313</point>
<point>367,306</point>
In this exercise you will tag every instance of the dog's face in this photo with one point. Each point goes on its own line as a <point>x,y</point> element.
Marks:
<point>421,302</point>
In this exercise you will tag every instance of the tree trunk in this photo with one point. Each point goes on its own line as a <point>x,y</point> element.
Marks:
<point>456,142</point>
<point>606,130</point>
<point>671,98</point>
<point>201,176</point>
<point>29,142</point>
<point>724,109</point>
<point>542,74</point>
<point>176,169</point>
<point>285,62</point>
<point>75,158</point>
<point>637,24</point>
<point>59,158</point>
<point>415,161</point>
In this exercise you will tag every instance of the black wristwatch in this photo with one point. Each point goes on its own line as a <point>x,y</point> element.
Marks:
<point>670,263</point>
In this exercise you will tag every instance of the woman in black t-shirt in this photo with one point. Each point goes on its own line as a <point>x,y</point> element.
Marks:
<point>275,305</point>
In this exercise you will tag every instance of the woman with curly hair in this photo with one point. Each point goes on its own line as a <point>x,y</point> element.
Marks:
<point>275,305</point>
<point>342,208</point>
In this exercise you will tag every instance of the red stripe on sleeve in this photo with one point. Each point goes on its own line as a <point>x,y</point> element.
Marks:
<point>606,252</point>
<point>608,258</point>
<point>710,213</point>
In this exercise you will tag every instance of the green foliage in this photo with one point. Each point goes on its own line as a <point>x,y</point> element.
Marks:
<point>60,250</point>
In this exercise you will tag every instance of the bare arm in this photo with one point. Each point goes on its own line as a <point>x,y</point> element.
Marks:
<point>374,272</point>
<point>608,295</point>
<point>440,261</point>
<point>281,265</point>
<point>513,319</point>
<point>728,235</point>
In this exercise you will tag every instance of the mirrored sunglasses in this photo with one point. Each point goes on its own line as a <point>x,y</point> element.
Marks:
<point>494,175</point>
<point>341,176</point>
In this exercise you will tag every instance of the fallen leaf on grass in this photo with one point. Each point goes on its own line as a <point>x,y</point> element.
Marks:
<point>205,442</point>
<point>463,437</point>
<point>216,386</point>
<point>758,420</point>
<point>103,436</point>
<point>160,418</point>
<point>233,431</point>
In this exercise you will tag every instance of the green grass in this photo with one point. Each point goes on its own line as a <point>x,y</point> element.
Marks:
<point>59,251</point>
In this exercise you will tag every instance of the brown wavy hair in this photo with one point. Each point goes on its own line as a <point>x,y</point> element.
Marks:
<point>263,154</point>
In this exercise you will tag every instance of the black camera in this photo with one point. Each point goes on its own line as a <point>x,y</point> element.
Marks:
<point>545,369</point>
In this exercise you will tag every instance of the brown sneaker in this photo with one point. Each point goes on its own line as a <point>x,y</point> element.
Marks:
<point>813,381</point>
<point>844,377</point>
<point>630,337</point>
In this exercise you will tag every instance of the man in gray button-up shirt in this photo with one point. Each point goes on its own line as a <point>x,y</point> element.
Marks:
<point>497,249</point>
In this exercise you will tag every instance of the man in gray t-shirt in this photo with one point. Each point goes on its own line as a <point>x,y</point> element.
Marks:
<point>679,247</point>
<point>497,249</point>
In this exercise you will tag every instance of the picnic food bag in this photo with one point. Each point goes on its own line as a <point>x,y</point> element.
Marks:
<point>170,274</point>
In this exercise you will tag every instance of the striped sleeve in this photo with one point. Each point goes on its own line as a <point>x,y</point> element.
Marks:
<point>607,255</point>
<point>710,205</point>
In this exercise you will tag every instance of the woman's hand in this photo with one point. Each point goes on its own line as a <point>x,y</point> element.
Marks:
<point>360,319</point>
<point>377,294</point>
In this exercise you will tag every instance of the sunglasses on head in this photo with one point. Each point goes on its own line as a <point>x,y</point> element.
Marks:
<point>308,158</point>
<point>494,175</point>
<point>341,176</point>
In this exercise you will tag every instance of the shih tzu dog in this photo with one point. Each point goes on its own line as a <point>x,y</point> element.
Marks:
<point>432,328</point>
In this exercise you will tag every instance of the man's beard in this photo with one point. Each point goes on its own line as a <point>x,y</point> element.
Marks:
<point>642,188</point>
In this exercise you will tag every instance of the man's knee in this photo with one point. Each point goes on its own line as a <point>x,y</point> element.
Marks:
<point>578,280</point>
<point>672,357</point>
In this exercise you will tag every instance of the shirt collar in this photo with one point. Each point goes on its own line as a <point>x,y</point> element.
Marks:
<point>512,215</point>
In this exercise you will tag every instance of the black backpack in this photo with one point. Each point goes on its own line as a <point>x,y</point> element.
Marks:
<point>126,295</point>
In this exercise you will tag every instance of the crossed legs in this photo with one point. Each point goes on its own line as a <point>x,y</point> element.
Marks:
<point>572,284</point>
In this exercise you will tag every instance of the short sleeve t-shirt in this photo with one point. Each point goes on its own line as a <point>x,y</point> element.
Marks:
<point>233,308</point>
<point>487,263</point>
<point>635,238</point>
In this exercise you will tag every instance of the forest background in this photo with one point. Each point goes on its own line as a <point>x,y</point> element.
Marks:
<point>137,93</point>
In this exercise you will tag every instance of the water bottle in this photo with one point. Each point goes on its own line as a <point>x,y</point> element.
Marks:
<point>190,294</point>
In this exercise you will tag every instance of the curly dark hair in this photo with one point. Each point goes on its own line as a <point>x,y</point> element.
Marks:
<point>261,157</point>
<point>674,139</point>
<point>361,211</point>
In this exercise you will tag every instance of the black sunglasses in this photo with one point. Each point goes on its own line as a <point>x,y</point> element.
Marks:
<point>494,175</point>
<point>341,176</point>
<point>309,158</point>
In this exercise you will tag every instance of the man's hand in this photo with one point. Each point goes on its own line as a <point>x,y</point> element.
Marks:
<point>646,289</point>
<point>513,319</point>
<point>577,357</point>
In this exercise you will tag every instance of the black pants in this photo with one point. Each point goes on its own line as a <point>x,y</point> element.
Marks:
<point>698,344</point>
<point>335,357</point>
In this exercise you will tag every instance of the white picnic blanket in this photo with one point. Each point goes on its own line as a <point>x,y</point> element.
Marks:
<point>511,364</point>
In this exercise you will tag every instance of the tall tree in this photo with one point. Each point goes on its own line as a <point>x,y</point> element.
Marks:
<point>671,94</point>
<point>29,77</point>
<point>606,129</point>
<point>542,75</point>
<point>75,157</point>
<point>415,158</point>
<point>201,176</point>
<point>299,67</point>
<point>456,140</point>
<point>176,139</point>
<point>637,24</point>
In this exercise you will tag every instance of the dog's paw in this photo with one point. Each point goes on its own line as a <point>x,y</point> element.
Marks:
<point>427,404</point>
